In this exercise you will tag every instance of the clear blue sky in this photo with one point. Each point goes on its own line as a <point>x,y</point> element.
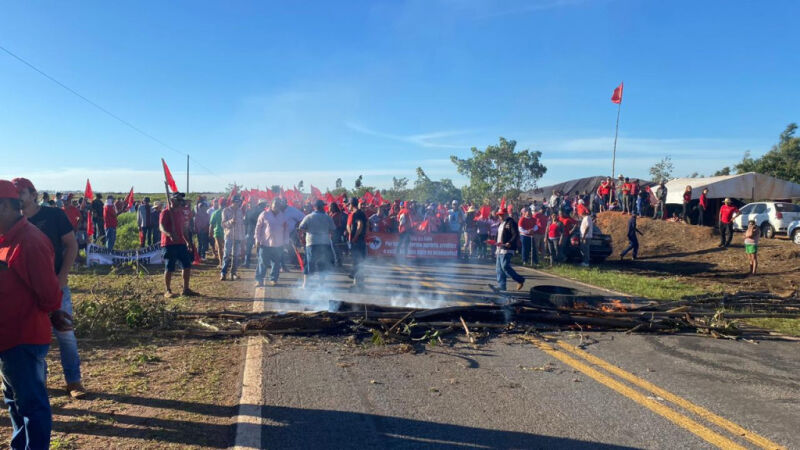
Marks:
<point>267,92</point>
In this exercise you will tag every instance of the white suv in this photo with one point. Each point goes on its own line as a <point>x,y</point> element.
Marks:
<point>771,217</point>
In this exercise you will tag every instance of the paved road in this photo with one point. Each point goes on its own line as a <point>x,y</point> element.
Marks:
<point>637,391</point>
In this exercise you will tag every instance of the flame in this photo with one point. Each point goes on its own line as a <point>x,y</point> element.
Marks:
<point>616,305</point>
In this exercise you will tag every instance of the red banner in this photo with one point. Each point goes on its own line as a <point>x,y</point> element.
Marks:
<point>422,245</point>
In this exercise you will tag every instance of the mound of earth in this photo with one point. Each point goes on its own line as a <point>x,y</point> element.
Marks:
<point>692,252</point>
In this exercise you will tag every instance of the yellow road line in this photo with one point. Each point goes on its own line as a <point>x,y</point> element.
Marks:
<point>649,403</point>
<point>683,403</point>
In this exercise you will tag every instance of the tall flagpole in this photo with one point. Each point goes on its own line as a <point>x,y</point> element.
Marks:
<point>616,133</point>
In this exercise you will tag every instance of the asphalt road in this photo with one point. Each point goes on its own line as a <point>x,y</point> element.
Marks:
<point>641,391</point>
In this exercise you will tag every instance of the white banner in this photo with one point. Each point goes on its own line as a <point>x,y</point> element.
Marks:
<point>97,255</point>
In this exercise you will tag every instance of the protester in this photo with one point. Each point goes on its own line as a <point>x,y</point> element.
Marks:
<point>72,212</point>
<point>661,198</point>
<point>174,244</point>
<point>554,231</point>
<point>507,244</point>
<point>587,231</point>
<point>215,229</point>
<point>702,207</point>
<point>255,208</point>
<point>155,217</point>
<point>318,227</point>
<point>97,218</point>
<point>55,225</point>
<point>144,220</point>
<point>635,203</point>
<point>232,219</point>
<point>687,198</point>
<point>45,200</point>
<point>751,237</point>
<point>527,226</point>
<point>626,197</point>
<point>482,225</point>
<point>633,240</point>
<point>29,292</point>
<point>470,231</point>
<point>643,202</point>
<point>405,226</point>
<point>619,187</point>
<point>293,218</point>
<point>539,231</point>
<point>356,232</point>
<point>727,213</point>
<point>201,222</point>
<point>271,238</point>
<point>110,222</point>
<point>340,220</point>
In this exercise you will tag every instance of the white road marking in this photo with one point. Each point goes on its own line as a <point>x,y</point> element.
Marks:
<point>249,421</point>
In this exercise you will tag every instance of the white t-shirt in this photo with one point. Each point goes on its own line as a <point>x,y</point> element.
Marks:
<point>501,250</point>
<point>587,227</point>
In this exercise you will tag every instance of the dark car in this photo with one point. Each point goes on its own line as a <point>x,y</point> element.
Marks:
<point>599,246</point>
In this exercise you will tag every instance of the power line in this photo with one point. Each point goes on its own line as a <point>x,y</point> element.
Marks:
<point>104,110</point>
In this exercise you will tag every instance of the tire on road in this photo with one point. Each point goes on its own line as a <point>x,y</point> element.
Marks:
<point>767,230</point>
<point>562,297</point>
<point>796,236</point>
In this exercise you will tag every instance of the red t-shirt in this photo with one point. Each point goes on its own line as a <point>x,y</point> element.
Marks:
<point>568,223</point>
<point>726,212</point>
<point>626,188</point>
<point>176,229</point>
<point>541,221</point>
<point>110,216</point>
<point>553,232</point>
<point>527,223</point>
<point>73,214</point>
<point>687,197</point>
<point>703,201</point>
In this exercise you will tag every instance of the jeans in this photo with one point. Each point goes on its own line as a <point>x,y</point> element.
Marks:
<point>98,230</point>
<point>202,243</point>
<point>111,238</point>
<point>552,248</point>
<point>701,212</point>
<point>529,250</point>
<point>659,212</point>
<point>24,372</point>
<point>228,256</point>
<point>633,244</point>
<point>318,259</point>
<point>403,241</point>
<point>68,344</point>
<point>639,211</point>
<point>725,229</point>
<point>146,238</point>
<point>585,251</point>
<point>359,252</point>
<point>249,242</point>
<point>626,205</point>
<point>504,270</point>
<point>273,256</point>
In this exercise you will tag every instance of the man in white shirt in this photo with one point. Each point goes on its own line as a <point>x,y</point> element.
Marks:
<point>587,228</point>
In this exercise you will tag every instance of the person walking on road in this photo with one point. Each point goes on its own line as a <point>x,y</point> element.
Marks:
<point>201,222</point>
<point>507,244</point>
<point>318,227</point>
<point>751,237</point>
<point>271,237</point>
<point>174,244</point>
<point>55,225</point>
<point>633,241</point>
<point>727,213</point>
<point>250,221</point>
<point>233,226</point>
<point>30,303</point>
<point>357,233</point>
<point>587,231</point>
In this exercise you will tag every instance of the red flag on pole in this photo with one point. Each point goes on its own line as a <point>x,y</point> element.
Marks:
<point>378,199</point>
<point>234,191</point>
<point>617,97</point>
<point>316,193</point>
<point>129,199</point>
<point>367,197</point>
<point>168,177</point>
<point>503,204</point>
<point>329,198</point>
<point>88,195</point>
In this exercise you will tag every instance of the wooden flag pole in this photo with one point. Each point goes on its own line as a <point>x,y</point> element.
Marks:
<point>616,133</point>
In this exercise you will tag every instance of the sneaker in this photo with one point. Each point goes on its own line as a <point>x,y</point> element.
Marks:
<point>168,294</point>
<point>223,277</point>
<point>76,390</point>
<point>259,284</point>
<point>520,285</point>
<point>189,293</point>
<point>234,277</point>
<point>584,264</point>
<point>273,283</point>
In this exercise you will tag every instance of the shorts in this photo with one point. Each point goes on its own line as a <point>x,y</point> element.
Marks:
<point>174,253</point>
<point>751,249</point>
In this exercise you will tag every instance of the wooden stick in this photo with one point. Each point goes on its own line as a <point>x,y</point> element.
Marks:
<point>466,329</point>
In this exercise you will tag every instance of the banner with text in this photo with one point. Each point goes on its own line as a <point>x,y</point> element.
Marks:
<point>423,245</point>
<point>97,255</point>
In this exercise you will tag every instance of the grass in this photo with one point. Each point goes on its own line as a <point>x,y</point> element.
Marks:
<point>789,327</point>
<point>656,288</point>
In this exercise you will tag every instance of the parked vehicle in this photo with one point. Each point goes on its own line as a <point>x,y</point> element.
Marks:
<point>793,230</point>
<point>599,246</point>
<point>771,217</point>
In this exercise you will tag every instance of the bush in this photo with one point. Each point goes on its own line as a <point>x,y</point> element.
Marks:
<point>127,232</point>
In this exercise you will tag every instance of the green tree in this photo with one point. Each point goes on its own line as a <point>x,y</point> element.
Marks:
<point>359,180</point>
<point>427,190</point>
<point>724,171</point>
<point>781,161</point>
<point>399,190</point>
<point>500,170</point>
<point>662,170</point>
<point>338,183</point>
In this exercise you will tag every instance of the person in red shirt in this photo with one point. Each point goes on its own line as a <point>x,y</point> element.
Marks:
<point>110,222</point>
<point>527,226</point>
<point>687,198</point>
<point>554,231</point>
<point>727,213</point>
<point>539,234</point>
<point>702,207</point>
<point>31,297</point>
<point>72,212</point>
<point>626,197</point>
<point>173,226</point>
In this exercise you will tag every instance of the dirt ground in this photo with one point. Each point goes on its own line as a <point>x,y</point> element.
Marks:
<point>147,391</point>
<point>691,253</point>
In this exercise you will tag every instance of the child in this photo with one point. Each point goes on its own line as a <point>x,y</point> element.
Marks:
<point>751,245</point>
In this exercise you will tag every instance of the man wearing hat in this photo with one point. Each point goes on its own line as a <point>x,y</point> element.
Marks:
<point>173,227</point>
<point>29,292</point>
<point>233,226</point>
<point>507,244</point>
<point>727,212</point>
<point>54,223</point>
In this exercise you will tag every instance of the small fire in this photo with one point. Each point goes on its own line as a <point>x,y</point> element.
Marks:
<point>615,306</point>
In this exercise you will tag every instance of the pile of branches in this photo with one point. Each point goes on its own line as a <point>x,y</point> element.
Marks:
<point>716,316</point>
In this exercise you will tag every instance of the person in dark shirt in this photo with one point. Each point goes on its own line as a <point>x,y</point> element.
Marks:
<point>633,241</point>
<point>97,218</point>
<point>357,233</point>
<point>53,222</point>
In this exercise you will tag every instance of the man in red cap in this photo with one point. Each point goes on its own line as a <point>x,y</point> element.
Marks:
<point>507,244</point>
<point>29,293</point>
<point>53,222</point>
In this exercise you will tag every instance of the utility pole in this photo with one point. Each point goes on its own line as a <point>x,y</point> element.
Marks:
<point>187,172</point>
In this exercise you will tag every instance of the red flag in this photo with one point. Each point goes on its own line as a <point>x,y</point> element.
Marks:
<point>129,199</point>
<point>378,199</point>
<point>485,212</point>
<point>329,198</point>
<point>234,191</point>
<point>88,195</point>
<point>617,97</point>
<point>316,193</point>
<point>503,203</point>
<point>367,197</point>
<point>168,177</point>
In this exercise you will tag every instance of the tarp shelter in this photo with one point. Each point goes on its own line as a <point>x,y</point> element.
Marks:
<point>748,186</point>
<point>569,187</point>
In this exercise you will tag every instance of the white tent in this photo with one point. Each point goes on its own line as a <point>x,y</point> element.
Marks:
<point>748,186</point>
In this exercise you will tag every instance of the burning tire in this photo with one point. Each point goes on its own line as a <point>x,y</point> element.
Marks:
<point>562,297</point>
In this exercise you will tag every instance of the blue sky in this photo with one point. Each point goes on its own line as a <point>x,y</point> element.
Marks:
<point>274,92</point>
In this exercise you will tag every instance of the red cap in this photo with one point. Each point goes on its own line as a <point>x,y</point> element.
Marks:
<point>23,183</point>
<point>501,212</point>
<point>8,190</point>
